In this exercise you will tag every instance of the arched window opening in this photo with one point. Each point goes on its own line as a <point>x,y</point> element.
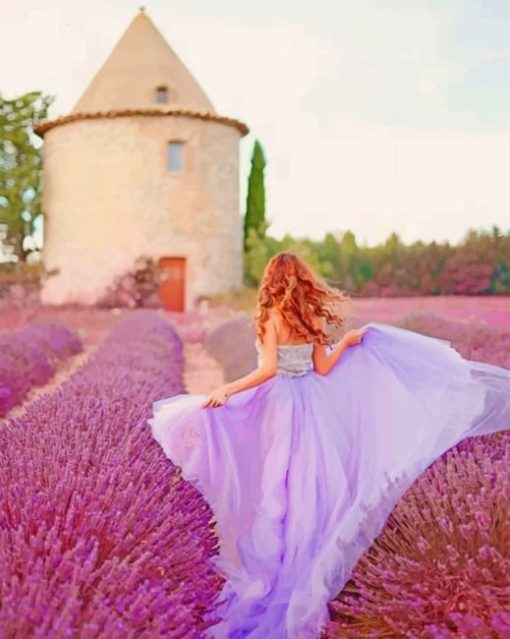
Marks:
<point>161,95</point>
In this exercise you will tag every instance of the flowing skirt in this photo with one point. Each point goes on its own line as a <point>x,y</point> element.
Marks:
<point>302,472</point>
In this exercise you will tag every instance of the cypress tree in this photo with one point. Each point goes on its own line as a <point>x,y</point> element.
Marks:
<point>256,198</point>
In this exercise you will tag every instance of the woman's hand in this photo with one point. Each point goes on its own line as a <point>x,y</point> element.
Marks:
<point>354,336</point>
<point>218,397</point>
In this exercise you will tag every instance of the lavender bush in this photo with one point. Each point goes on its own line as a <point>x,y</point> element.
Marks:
<point>441,567</point>
<point>232,344</point>
<point>99,535</point>
<point>491,310</point>
<point>30,356</point>
<point>473,340</point>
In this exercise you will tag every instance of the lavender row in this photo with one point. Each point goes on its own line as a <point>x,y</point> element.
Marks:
<point>30,356</point>
<point>441,567</point>
<point>99,535</point>
<point>232,345</point>
<point>473,340</point>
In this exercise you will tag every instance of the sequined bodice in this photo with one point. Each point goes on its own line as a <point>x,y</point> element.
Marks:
<point>292,359</point>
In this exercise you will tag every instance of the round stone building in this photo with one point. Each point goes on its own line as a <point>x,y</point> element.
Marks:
<point>143,165</point>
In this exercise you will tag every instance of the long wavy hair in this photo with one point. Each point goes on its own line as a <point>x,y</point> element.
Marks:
<point>308,306</point>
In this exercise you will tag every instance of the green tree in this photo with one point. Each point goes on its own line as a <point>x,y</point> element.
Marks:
<point>348,260</point>
<point>500,280</point>
<point>20,169</point>
<point>255,215</point>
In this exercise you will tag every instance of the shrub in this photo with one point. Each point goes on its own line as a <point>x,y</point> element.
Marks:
<point>135,288</point>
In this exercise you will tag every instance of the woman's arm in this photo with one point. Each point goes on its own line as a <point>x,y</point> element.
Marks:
<point>323,361</point>
<point>264,371</point>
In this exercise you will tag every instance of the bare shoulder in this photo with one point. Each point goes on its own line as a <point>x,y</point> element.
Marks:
<point>271,325</point>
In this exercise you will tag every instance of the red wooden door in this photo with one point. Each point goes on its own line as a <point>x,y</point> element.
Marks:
<point>172,274</point>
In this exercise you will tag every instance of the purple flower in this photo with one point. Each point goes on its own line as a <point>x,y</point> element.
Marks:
<point>30,356</point>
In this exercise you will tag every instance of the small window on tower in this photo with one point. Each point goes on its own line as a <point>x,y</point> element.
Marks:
<point>161,95</point>
<point>175,157</point>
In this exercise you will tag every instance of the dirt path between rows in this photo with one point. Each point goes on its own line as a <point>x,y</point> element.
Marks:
<point>202,373</point>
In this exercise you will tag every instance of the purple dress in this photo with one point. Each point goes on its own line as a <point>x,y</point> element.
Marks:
<point>302,471</point>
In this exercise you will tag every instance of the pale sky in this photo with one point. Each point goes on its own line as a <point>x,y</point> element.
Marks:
<point>375,115</point>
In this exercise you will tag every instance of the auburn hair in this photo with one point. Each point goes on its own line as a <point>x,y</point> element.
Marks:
<point>305,302</point>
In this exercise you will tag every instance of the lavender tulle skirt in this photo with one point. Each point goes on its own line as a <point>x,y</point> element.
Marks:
<point>302,472</point>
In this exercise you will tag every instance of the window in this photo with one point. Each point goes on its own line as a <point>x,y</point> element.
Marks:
<point>175,157</point>
<point>161,95</point>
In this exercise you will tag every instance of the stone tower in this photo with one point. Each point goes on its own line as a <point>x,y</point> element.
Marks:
<point>143,165</point>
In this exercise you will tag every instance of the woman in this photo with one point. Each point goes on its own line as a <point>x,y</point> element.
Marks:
<point>303,459</point>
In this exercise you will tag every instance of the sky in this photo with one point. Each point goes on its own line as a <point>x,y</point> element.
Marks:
<point>376,116</point>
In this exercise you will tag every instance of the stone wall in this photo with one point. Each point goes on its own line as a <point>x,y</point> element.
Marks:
<point>108,198</point>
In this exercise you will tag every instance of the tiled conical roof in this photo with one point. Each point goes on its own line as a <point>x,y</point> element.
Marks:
<point>141,63</point>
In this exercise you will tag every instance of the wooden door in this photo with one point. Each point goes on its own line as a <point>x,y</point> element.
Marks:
<point>172,274</point>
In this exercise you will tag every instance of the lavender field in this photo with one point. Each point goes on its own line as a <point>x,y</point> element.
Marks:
<point>101,537</point>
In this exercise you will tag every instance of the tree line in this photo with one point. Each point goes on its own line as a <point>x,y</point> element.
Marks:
<point>478,265</point>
